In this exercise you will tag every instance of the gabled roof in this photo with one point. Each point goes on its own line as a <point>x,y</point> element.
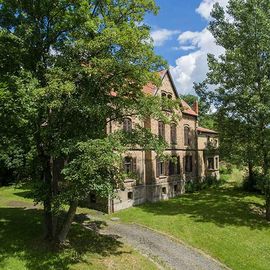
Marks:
<point>151,89</point>
<point>206,130</point>
<point>162,74</point>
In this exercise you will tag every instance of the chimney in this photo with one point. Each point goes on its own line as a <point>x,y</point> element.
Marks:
<point>196,106</point>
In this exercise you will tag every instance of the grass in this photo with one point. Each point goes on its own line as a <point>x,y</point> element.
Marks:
<point>22,247</point>
<point>226,223</point>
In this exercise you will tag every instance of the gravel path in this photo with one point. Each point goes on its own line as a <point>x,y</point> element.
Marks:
<point>158,246</point>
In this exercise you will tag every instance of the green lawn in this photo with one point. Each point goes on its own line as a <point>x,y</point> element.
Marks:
<point>21,245</point>
<point>226,223</point>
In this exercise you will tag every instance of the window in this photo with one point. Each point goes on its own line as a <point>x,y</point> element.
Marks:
<point>127,125</point>
<point>215,142</point>
<point>163,95</point>
<point>130,195</point>
<point>164,191</point>
<point>174,167</point>
<point>175,188</point>
<point>210,165</point>
<point>161,129</point>
<point>186,135</point>
<point>173,134</point>
<point>128,165</point>
<point>217,163</point>
<point>169,96</point>
<point>188,163</point>
<point>160,167</point>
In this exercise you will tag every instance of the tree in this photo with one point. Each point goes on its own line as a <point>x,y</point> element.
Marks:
<point>87,62</point>
<point>241,83</point>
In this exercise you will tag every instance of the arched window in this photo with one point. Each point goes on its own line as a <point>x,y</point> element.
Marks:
<point>173,134</point>
<point>161,129</point>
<point>127,125</point>
<point>187,135</point>
<point>164,95</point>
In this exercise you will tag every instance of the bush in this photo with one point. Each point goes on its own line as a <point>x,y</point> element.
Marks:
<point>207,182</point>
<point>251,183</point>
<point>226,168</point>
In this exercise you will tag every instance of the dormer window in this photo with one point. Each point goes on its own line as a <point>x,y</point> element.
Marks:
<point>161,129</point>
<point>127,125</point>
<point>187,135</point>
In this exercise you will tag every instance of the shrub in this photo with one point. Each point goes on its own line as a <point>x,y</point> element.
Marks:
<point>226,168</point>
<point>251,183</point>
<point>208,181</point>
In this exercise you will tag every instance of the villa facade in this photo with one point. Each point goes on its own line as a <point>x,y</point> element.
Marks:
<point>188,143</point>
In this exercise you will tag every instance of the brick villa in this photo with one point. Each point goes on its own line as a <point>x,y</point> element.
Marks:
<point>157,179</point>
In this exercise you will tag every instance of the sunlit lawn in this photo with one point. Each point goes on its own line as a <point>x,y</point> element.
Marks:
<point>226,223</point>
<point>21,245</point>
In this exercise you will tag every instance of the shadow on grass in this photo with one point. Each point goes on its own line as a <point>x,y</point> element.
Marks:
<point>220,206</point>
<point>20,238</point>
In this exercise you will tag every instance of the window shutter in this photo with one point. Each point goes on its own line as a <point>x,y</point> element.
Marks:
<point>157,167</point>
<point>134,165</point>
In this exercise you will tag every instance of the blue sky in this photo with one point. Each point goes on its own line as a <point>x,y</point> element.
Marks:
<point>180,35</point>
<point>177,15</point>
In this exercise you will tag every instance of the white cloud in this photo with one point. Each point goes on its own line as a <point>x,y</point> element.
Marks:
<point>160,36</point>
<point>206,6</point>
<point>193,66</point>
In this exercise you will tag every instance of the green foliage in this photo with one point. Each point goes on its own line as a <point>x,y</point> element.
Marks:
<point>238,84</point>
<point>81,65</point>
<point>94,169</point>
<point>72,55</point>
<point>207,182</point>
<point>226,168</point>
<point>239,80</point>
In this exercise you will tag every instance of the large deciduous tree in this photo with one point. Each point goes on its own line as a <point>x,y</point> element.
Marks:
<point>69,67</point>
<point>240,79</point>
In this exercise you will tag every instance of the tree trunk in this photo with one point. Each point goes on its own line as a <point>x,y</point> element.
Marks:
<point>57,166</point>
<point>251,181</point>
<point>48,215</point>
<point>267,208</point>
<point>67,223</point>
